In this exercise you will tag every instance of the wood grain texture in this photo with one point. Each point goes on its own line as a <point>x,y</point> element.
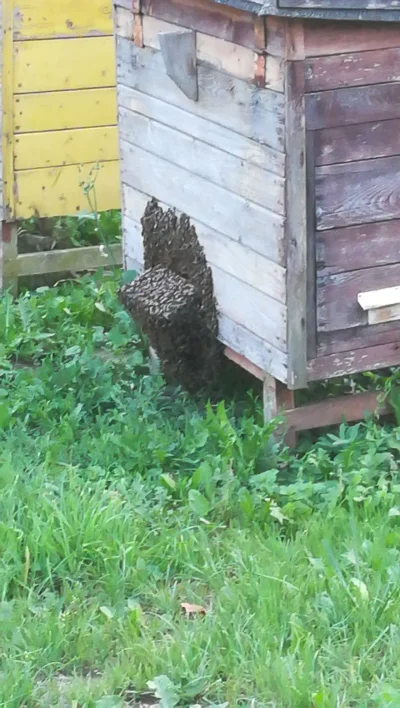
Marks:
<point>357,192</point>
<point>64,18</point>
<point>58,64</point>
<point>259,352</point>
<point>123,22</point>
<point>224,56</point>
<point>88,108</point>
<point>235,258</point>
<point>358,247</point>
<point>211,18</point>
<point>178,50</point>
<point>325,38</point>
<point>235,104</point>
<point>363,141</point>
<point>337,295</point>
<point>351,362</point>
<point>348,106</point>
<point>296,225</point>
<point>244,148</point>
<point>196,156</point>
<point>58,192</point>
<point>334,411</point>
<point>357,338</point>
<point>65,147</point>
<point>356,69</point>
<point>75,259</point>
<point>214,206</point>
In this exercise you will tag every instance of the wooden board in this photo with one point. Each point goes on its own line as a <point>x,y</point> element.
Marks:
<point>59,64</point>
<point>357,192</point>
<point>58,191</point>
<point>366,359</point>
<point>338,307</point>
<point>235,258</point>
<point>88,108</point>
<point>296,225</point>
<point>65,147</point>
<point>334,411</point>
<point>357,247</point>
<point>224,56</point>
<point>235,104</point>
<point>266,357</point>
<point>357,142</point>
<point>362,337</point>
<point>63,18</point>
<point>348,106</point>
<point>325,38</point>
<point>210,18</point>
<point>73,259</point>
<point>213,134</point>
<point>214,206</point>
<point>196,156</point>
<point>357,69</point>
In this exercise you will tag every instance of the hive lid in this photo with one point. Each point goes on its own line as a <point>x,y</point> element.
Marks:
<point>372,10</point>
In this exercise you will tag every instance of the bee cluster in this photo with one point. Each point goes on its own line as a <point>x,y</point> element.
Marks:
<point>173,300</point>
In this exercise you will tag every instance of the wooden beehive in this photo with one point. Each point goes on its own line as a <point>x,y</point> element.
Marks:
<point>275,127</point>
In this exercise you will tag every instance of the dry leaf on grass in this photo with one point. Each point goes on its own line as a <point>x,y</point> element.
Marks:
<point>192,610</point>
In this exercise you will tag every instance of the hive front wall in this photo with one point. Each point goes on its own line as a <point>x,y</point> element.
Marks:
<point>352,83</point>
<point>59,107</point>
<point>220,159</point>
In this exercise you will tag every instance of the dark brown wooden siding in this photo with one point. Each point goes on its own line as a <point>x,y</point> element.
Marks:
<point>353,121</point>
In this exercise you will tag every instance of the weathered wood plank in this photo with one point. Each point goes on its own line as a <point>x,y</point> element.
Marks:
<point>357,69</point>
<point>48,19</point>
<point>210,18</point>
<point>334,411</point>
<point>178,50</point>
<point>209,132</point>
<point>357,142</point>
<point>224,56</point>
<point>56,64</point>
<point>65,147</point>
<point>356,338</point>
<point>214,206</point>
<point>235,104</point>
<point>324,38</point>
<point>338,307</point>
<point>366,359</point>
<point>357,247</point>
<point>296,225</point>
<point>228,171</point>
<point>237,259</point>
<point>57,191</point>
<point>247,344</point>
<point>35,112</point>
<point>8,257</point>
<point>357,192</point>
<point>75,259</point>
<point>123,22</point>
<point>348,106</point>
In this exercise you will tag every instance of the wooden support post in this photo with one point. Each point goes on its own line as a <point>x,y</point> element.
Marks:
<point>277,398</point>
<point>8,257</point>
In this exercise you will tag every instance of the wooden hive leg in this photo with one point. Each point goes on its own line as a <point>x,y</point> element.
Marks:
<point>277,398</point>
<point>8,257</point>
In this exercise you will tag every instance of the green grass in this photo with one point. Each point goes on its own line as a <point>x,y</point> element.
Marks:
<point>121,498</point>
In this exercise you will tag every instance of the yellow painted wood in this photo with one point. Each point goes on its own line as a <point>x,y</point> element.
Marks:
<point>66,147</point>
<point>58,191</point>
<point>59,64</point>
<point>67,109</point>
<point>7,101</point>
<point>38,19</point>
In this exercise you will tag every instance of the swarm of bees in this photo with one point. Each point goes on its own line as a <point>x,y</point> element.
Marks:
<point>173,300</point>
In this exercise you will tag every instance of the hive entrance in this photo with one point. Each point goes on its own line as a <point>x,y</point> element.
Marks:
<point>173,300</point>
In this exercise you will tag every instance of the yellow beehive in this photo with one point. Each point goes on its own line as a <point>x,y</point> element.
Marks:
<point>59,106</point>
